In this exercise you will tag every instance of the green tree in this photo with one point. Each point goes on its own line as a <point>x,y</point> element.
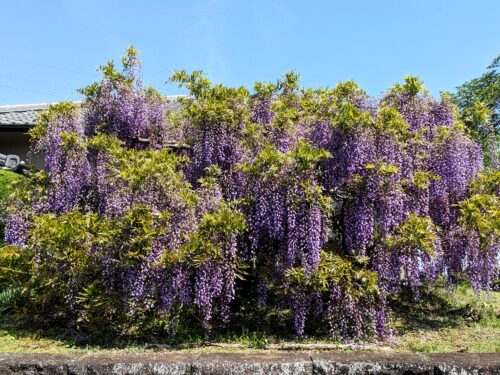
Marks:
<point>478,101</point>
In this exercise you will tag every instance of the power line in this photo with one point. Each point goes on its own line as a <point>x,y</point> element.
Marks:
<point>36,82</point>
<point>30,90</point>
<point>48,66</point>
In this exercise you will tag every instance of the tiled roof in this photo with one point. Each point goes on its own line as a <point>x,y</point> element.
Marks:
<point>20,116</point>
<point>24,115</point>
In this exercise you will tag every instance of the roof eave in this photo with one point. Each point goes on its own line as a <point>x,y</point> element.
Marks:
<point>16,127</point>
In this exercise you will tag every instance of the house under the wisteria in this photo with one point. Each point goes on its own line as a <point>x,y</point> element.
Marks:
<point>17,120</point>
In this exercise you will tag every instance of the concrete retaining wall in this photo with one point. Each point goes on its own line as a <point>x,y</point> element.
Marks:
<point>266,363</point>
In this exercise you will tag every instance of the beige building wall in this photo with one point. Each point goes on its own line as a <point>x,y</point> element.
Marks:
<point>17,143</point>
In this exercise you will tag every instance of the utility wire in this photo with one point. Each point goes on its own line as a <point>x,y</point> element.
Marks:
<point>48,66</point>
<point>30,90</point>
<point>36,82</point>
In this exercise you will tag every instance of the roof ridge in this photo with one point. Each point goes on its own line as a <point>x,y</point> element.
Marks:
<point>38,106</point>
<point>24,115</point>
<point>23,107</point>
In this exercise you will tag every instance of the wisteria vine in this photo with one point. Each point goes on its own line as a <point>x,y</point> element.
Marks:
<point>328,198</point>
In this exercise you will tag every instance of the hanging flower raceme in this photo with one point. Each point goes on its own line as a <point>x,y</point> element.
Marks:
<point>474,241</point>
<point>119,105</point>
<point>455,160</point>
<point>408,256</point>
<point>59,136</point>
<point>216,118</point>
<point>351,295</point>
<point>286,204</point>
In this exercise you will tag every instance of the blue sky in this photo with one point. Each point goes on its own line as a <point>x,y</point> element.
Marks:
<point>50,48</point>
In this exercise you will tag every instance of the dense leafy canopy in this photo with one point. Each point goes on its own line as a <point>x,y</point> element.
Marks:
<point>478,102</point>
<point>325,202</point>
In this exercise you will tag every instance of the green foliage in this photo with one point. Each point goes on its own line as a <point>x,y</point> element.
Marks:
<point>216,103</point>
<point>6,189</point>
<point>481,211</point>
<point>382,168</point>
<point>478,102</point>
<point>8,297</point>
<point>270,162</point>
<point>226,219</point>
<point>306,156</point>
<point>390,121</point>
<point>422,179</point>
<point>476,115</point>
<point>347,115</point>
<point>486,183</point>
<point>351,275</point>
<point>49,118</point>
<point>348,285</point>
<point>63,245</point>
<point>57,260</point>
<point>417,233</point>
<point>14,267</point>
<point>336,105</point>
<point>110,73</point>
<point>412,86</point>
<point>137,229</point>
<point>97,308</point>
<point>138,169</point>
<point>286,104</point>
<point>205,244</point>
<point>480,94</point>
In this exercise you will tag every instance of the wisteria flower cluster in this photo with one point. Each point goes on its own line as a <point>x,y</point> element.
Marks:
<point>328,200</point>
